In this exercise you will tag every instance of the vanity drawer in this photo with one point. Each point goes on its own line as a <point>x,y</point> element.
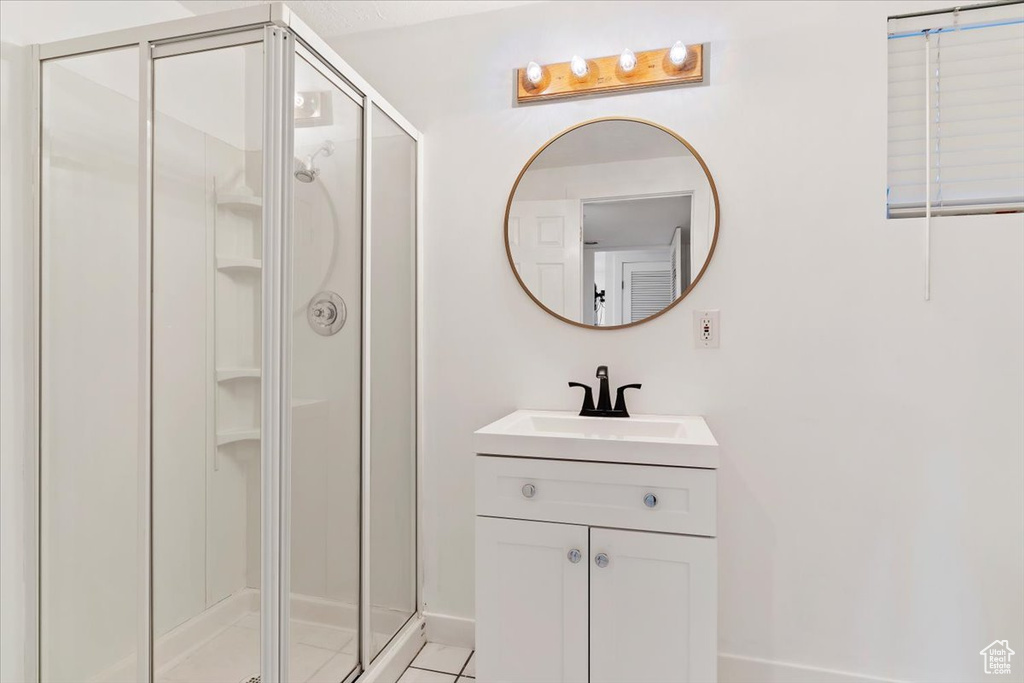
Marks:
<point>597,494</point>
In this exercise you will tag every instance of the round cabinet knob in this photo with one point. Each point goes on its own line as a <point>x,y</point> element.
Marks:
<point>529,490</point>
<point>650,500</point>
<point>601,560</point>
<point>574,556</point>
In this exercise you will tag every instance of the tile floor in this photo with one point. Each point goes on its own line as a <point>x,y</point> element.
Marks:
<point>441,664</point>
<point>319,654</point>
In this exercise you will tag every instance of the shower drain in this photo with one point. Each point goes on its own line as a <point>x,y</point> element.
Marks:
<point>251,679</point>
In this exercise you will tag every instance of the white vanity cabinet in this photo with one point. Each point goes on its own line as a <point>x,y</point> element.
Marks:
<point>598,571</point>
<point>535,599</point>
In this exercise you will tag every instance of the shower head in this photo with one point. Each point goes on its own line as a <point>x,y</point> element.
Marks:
<point>306,171</point>
<point>306,174</point>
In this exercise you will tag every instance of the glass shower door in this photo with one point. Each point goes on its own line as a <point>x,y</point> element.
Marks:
<point>392,333</point>
<point>206,381</point>
<point>91,384</point>
<point>326,368</point>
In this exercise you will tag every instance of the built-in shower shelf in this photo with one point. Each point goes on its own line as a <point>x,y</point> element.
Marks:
<point>227,374</point>
<point>236,435</point>
<point>239,201</point>
<point>224,263</point>
<point>309,407</point>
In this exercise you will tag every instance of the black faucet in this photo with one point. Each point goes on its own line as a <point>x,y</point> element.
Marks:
<point>604,401</point>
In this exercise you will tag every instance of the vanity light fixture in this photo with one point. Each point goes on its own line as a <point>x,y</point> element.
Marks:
<point>679,64</point>
<point>627,60</point>
<point>677,53</point>
<point>579,66</point>
<point>534,73</point>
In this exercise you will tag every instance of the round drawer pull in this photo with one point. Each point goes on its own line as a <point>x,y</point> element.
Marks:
<point>601,560</point>
<point>574,556</point>
<point>529,490</point>
<point>650,500</point>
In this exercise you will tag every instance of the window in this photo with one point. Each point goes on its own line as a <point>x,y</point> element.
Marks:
<point>956,107</point>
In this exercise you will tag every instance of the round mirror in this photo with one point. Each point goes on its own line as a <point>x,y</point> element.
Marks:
<point>611,223</point>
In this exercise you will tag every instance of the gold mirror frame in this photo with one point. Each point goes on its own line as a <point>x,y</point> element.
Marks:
<point>707,261</point>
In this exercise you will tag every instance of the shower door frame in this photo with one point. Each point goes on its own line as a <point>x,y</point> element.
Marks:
<point>282,35</point>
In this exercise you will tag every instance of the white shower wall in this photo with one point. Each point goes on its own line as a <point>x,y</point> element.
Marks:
<point>326,376</point>
<point>199,500</point>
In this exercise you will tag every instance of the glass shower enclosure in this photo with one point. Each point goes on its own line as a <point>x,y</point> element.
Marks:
<point>227,481</point>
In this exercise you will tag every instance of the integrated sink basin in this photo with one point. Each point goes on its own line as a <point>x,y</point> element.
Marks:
<point>682,441</point>
<point>599,427</point>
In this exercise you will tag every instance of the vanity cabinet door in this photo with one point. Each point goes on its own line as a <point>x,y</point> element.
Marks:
<point>531,602</point>
<point>653,607</point>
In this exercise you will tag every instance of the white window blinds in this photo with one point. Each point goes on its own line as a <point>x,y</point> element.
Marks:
<point>974,132</point>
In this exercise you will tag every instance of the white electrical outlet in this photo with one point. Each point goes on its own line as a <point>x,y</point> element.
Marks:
<point>706,330</point>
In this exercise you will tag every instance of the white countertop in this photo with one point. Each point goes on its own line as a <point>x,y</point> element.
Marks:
<point>677,441</point>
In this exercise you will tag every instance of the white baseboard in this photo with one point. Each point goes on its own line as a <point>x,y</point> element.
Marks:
<point>324,611</point>
<point>448,630</point>
<point>461,632</point>
<point>179,642</point>
<point>740,669</point>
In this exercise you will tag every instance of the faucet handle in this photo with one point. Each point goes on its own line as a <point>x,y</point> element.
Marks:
<point>588,397</point>
<point>602,371</point>
<point>620,398</point>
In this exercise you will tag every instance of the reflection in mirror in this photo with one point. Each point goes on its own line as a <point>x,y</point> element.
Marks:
<point>611,223</point>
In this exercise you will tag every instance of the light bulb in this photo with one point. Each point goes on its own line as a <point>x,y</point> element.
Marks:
<point>299,99</point>
<point>578,66</point>
<point>677,54</point>
<point>627,60</point>
<point>534,72</point>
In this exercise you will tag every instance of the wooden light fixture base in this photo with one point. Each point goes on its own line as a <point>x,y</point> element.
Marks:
<point>653,69</point>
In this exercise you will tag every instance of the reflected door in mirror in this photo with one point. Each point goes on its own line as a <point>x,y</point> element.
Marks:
<point>544,238</point>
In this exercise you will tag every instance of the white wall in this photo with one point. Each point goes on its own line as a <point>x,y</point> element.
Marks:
<point>871,508</point>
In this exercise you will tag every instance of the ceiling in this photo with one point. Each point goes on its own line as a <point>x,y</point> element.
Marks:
<point>331,18</point>
<point>640,222</point>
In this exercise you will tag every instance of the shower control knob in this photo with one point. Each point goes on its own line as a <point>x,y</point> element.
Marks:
<point>601,560</point>
<point>326,313</point>
<point>529,490</point>
<point>575,556</point>
<point>650,500</point>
